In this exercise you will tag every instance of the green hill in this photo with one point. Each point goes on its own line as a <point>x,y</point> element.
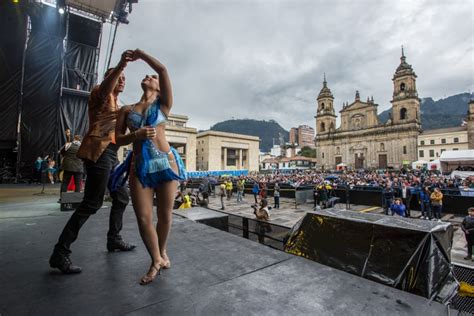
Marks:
<point>267,131</point>
<point>448,112</point>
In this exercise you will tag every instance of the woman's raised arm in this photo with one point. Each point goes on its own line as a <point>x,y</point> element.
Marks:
<point>166,94</point>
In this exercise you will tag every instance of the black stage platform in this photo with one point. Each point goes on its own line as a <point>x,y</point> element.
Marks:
<point>213,273</point>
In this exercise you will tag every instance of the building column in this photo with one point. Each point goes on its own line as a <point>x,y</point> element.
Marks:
<point>224,164</point>
<point>239,166</point>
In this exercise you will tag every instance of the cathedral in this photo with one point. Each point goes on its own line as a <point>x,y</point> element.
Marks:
<point>361,141</point>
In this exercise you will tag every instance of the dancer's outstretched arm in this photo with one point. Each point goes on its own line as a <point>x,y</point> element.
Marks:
<point>110,81</point>
<point>166,95</point>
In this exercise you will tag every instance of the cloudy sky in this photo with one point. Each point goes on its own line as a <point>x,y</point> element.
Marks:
<point>266,59</point>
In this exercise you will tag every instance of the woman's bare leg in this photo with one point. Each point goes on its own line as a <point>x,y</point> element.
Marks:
<point>142,199</point>
<point>165,198</point>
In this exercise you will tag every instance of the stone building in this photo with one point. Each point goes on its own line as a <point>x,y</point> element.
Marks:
<point>361,141</point>
<point>227,151</point>
<point>432,143</point>
<point>470,123</point>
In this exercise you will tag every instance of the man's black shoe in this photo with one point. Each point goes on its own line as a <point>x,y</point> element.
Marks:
<point>63,263</point>
<point>119,245</point>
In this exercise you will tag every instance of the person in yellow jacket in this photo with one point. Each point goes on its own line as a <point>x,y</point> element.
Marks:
<point>436,204</point>
<point>228,188</point>
<point>186,202</point>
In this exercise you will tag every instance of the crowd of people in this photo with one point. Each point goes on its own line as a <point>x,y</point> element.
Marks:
<point>399,189</point>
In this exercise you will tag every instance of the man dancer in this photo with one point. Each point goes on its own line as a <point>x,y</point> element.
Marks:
<point>99,152</point>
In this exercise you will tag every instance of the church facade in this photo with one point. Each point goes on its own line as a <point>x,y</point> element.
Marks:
<point>361,141</point>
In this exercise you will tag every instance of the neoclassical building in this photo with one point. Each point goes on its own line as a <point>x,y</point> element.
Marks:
<point>361,141</point>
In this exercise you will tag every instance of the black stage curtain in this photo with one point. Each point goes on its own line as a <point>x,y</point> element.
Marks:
<point>73,115</point>
<point>42,84</point>
<point>12,42</point>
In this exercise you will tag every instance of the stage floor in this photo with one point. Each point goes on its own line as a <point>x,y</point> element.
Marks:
<point>213,272</point>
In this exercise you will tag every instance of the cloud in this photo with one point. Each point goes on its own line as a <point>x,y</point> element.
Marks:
<point>266,59</point>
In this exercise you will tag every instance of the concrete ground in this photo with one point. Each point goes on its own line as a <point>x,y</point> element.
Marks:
<point>288,214</point>
<point>213,272</point>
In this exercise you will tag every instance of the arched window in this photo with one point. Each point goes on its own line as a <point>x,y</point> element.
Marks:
<point>382,147</point>
<point>323,127</point>
<point>403,114</point>
<point>402,86</point>
<point>322,106</point>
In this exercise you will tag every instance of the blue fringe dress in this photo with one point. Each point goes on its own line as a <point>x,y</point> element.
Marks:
<point>152,166</point>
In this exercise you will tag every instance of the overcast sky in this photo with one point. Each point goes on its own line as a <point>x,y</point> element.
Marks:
<point>266,59</point>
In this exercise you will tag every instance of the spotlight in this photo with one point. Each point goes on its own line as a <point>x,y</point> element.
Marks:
<point>122,18</point>
<point>61,5</point>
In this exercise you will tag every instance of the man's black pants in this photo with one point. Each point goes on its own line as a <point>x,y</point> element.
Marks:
<point>94,191</point>
<point>470,243</point>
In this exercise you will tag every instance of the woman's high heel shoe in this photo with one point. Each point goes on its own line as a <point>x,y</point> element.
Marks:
<point>167,265</point>
<point>147,278</point>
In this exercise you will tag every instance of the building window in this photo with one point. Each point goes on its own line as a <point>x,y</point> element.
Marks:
<point>422,143</point>
<point>323,127</point>
<point>455,148</point>
<point>404,150</point>
<point>456,140</point>
<point>403,114</point>
<point>443,150</point>
<point>322,155</point>
<point>421,153</point>
<point>402,86</point>
<point>432,142</point>
<point>431,152</point>
<point>322,106</point>
<point>443,140</point>
<point>231,157</point>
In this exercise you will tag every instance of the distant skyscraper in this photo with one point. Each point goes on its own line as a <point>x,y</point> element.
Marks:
<point>302,135</point>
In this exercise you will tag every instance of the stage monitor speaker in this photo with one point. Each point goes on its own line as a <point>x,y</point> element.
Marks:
<point>409,254</point>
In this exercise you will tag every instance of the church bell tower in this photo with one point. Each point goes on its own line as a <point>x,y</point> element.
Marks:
<point>325,115</point>
<point>405,101</point>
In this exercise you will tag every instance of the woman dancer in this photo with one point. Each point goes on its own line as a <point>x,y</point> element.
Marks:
<point>154,167</point>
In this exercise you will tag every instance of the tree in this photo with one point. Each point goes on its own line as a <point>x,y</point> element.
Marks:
<point>307,151</point>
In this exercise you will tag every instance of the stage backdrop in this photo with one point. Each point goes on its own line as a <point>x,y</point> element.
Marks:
<point>52,61</point>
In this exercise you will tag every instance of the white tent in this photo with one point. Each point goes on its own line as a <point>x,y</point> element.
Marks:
<point>419,163</point>
<point>452,159</point>
<point>434,165</point>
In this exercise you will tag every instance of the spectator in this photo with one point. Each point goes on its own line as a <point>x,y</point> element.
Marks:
<point>387,196</point>
<point>315,196</point>
<point>436,203</point>
<point>263,190</point>
<point>72,166</point>
<point>255,191</point>
<point>37,170</point>
<point>262,213</point>
<point>276,195</point>
<point>228,187</point>
<point>222,190</point>
<point>398,208</point>
<point>467,227</point>
<point>240,190</point>
<point>424,201</point>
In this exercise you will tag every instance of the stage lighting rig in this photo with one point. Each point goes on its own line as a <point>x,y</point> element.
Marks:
<point>122,17</point>
<point>130,2</point>
<point>61,5</point>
